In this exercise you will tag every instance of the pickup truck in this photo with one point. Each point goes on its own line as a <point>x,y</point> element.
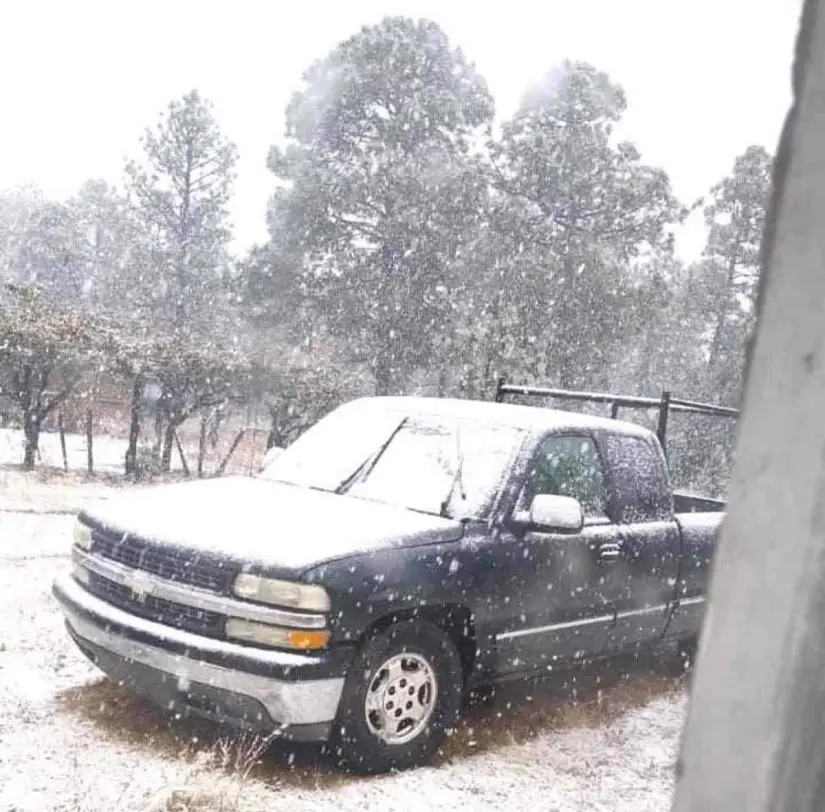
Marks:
<point>399,553</point>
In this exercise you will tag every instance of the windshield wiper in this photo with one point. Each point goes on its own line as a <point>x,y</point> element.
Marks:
<point>363,470</point>
<point>458,478</point>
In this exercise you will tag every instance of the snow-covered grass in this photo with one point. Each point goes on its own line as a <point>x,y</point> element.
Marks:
<point>50,488</point>
<point>72,741</point>
<point>108,452</point>
<point>46,491</point>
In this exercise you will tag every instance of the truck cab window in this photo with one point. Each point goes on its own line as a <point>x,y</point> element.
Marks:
<point>567,466</point>
<point>641,483</point>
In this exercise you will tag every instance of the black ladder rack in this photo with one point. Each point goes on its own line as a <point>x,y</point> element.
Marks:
<point>664,404</point>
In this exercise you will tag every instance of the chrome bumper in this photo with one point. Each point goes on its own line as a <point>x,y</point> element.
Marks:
<point>288,702</point>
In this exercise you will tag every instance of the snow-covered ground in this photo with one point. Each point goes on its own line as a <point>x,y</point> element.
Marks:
<point>70,740</point>
<point>108,452</point>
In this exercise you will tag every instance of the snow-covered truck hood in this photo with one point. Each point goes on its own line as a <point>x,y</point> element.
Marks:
<point>268,523</point>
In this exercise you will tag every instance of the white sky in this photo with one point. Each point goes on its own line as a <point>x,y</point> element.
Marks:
<point>83,78</point>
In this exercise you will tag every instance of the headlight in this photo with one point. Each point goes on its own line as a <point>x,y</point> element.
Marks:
<point>276,636</point>
<point>82,535</point>
<point>281,593</point>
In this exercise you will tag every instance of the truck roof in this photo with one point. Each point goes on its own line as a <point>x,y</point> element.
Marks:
<point>530,418</point>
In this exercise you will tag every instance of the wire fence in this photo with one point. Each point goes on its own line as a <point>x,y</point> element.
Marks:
<point>93,440</point>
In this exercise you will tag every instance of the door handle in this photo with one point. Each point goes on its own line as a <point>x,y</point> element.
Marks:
<point>609,551</point>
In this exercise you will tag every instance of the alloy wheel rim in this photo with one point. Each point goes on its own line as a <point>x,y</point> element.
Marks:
<point>401,697</point>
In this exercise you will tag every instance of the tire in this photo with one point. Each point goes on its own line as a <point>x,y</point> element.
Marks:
<point>376,733</point>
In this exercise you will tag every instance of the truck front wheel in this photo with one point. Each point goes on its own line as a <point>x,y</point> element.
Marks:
<point>400,698</point>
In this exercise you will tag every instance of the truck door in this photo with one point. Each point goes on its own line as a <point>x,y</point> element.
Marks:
<point>642,577</point>
<point>558,608</point>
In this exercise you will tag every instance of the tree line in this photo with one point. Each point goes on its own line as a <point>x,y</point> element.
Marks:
<point>415,245</point>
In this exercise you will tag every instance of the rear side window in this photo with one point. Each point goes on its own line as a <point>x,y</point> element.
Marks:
<point>640,492</point>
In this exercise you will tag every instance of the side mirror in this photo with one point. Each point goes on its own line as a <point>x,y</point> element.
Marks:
<point>561,513</point>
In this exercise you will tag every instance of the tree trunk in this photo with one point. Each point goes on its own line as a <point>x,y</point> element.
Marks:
<point>31,433</point>
<point>201,445</point>
<point>382,370</point>
<point>168,441</point>
<point>721,319</point>
<point>160,418</point>
<point>275,436</point>
<point>130,467</point>
<point>442,378</point>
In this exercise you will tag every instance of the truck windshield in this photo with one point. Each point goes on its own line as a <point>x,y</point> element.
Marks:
<point>417,469</point>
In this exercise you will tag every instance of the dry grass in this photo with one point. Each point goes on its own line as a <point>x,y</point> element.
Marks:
<point>209,780</point>
<point>228,765</point>
<point>213,767</point>
<point>594,695</point>
<point>137,722</point>
<point>588,697</point>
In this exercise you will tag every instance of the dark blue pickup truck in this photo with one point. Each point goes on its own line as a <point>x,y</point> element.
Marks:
<point>400,552</point>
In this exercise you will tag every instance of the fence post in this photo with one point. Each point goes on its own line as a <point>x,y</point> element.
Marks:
<point>499,394</point>
<point>661,427</point>
<point>90,457</point>
<point>182,455</point>
<point>62,431</point>
<point>235,442</point>
<point>201,446</point>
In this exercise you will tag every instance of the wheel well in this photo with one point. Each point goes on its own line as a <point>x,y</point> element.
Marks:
<point>455,620</point>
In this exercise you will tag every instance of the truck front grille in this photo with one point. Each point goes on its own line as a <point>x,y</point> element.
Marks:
<point>195,569</point>
<point>187,618</point>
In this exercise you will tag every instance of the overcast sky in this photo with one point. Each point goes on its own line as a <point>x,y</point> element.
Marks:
<point>83,78</point>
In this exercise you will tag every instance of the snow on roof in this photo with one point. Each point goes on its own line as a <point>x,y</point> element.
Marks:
<point>530,418</point>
